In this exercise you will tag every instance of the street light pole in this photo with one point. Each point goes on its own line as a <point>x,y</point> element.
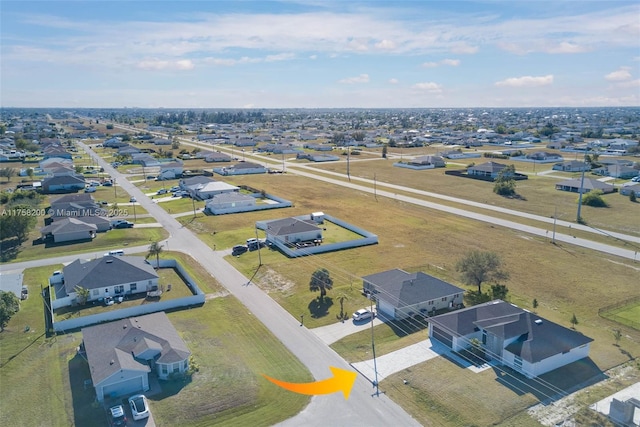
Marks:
<point>259,254</point>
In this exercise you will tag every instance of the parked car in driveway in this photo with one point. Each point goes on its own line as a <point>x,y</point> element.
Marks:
<point>139,407</point>
<point>239,250</point>
<point>124,224</point>
<point>162,191</point>
<point>362,314</point>
<point>117,416</point>
<point>132,200</point>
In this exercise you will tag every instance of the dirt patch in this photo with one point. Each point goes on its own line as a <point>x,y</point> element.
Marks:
<point>216,295</point>
<point>272,281</point>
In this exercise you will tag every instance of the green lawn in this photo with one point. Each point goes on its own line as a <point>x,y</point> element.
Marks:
<point>230,347</point>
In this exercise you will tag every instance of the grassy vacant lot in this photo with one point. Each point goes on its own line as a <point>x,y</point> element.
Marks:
<point>230,347</point>
<point>539,195</point>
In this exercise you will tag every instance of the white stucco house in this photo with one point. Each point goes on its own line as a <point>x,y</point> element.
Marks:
<point>293,230</point>
<point>122,354</point>
<point>511,336</point>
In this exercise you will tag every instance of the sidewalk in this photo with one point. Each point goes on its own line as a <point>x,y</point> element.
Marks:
<point>336,331</point>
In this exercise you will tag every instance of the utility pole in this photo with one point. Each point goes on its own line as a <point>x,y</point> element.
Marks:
<point>193,203</point>
<point>373,348</point>
<point>555,219</point>
<point>259,254</point>
<point>375,193</point>
<point>578,216</point>
<point>348,158</point>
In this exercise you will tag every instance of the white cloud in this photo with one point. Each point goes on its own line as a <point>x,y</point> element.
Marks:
<point>464,48</point>
<point>313,57</point>
<point>449,62</point>
<point>385,45</point>
<point>158,64</point>
<point>362,78</point>
<point>526,81</point>
<point>279,57</point>
<point>621,74</point>
<point>428,86</point>
<point>629,84</point>
<point>393,81</point>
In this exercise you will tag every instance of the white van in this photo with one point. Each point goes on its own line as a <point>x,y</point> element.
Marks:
<point>117,252</point>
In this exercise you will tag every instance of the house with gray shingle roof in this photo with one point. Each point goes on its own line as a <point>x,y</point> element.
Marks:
<point>588,184</point>
<point>68,230</point>
<point>511,336</point>
<point>109,276</point>
<point>121,354</point>
<point>293,230</point>
<point>401,295</point>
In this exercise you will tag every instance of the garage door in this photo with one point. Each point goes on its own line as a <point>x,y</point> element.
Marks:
<point>386,309</point>
<point>442,336</point>
<point>130,386</point>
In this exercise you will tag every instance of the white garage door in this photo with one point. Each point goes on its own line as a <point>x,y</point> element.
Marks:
<point>386,309</point>
<point>130,386</point>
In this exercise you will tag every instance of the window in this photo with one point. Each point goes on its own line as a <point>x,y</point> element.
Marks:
<point>444,298</point>
<point>176,367</point>
<point>430,302</point>
<point>484,337</point>
<point>96,292</point>
<point>118,289</point>
<point>186,364</point>
<point>517,361</point>
<point>133,287</point>
<point>164,369</point>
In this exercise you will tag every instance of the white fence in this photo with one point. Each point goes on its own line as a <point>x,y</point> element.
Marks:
<point>197,299</point>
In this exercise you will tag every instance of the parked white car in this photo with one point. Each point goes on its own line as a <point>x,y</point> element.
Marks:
<point>139,407</point>
<point>362,314</point>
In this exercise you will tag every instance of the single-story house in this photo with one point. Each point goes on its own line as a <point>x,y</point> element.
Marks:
<point>511,336</point>
<point>487,170</point>
<point>144,159</point>
<point>121,354</point>
<point>229,200</point>
<point>110,276</point>
<point>161,141</point>
<point>571,166</point>
<point>617,171</point>
<point>401,295</point>
<point>242,168</point>
<point>171,170</point>
<point>293,230</point>
<point>216,157</point>
<point>434,161</point>
<point>68,230</point>
<point>543,156</point>
<point>574,185</point>
<point>627,189</point>
<point>102,223</point>
<point>75,205</point>
<point>210,189</point>
<point>63,184</point>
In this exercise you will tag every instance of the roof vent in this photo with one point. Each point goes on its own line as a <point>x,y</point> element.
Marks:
<point>538,322</point>
<point>112,362</point>
<point>124,326</point>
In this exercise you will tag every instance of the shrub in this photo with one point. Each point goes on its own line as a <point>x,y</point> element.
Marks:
<point>594,199</point>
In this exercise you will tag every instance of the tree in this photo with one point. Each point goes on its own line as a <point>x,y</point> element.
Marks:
<point>17,226</point>
<point>632,196</point>
<point>574,321</point>
<point>30,173</point>
<point>505,185</point>
<point>83,294</point>
<point>594,199</point>
<point>617,335</point>
<point>499,291</point>
<point>7,173</point>
<point>78,169</point>
<point>155,249</point>
<point>384,151</point>
<point>9,305</point>
<point>534,304</point>
<point>478,267</point>
<point>341,298</point>
<point>321,281</point>
<point>109,126</point>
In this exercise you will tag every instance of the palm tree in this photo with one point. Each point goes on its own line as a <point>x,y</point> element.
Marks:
<point>321,281</point>
<point>617,335</point>
<point>155,249</point>
<point>342,297</point>
<point>83,294</point>
<point>574,321</point>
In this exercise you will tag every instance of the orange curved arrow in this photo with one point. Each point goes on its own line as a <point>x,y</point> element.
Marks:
<point>342,380</point>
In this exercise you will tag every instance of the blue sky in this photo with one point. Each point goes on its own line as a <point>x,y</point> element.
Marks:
<point>319,54</point>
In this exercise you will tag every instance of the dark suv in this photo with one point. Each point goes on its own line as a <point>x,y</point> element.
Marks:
<point>239,250</point>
